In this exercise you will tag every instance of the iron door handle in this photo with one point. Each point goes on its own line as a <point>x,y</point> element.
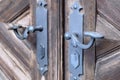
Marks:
<point>26,30</point>
<point>75,37</point>
<point>77,43</point>
<point>41,30</point>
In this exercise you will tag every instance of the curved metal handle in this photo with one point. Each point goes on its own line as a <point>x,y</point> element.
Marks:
<point>26,31</point>
<point>76,43</point>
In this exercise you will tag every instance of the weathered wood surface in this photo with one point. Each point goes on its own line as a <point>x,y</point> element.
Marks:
<point>108,67</point>
<point>23,52</point>
<point>111,41</point>
<point>89,25</point>
<point>89,8</point>
<point>110,9</point>
<point>109,25</point>
<point>55,39</point>
<point>108,49</point>
<point>10,9</point>
<point>16,59</point>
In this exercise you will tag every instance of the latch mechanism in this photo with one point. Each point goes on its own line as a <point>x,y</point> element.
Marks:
<point>76,46</point>
<point>41,29</point>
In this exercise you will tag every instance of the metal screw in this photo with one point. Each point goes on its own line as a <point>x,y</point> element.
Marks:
<point>41,68</point>
<point>75,6</point>
<point>41,3</point>
<point>75,78</point>
<point>67,36</point>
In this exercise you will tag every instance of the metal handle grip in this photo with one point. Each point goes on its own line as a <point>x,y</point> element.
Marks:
<point>76,43</point>
<point>26,31</point>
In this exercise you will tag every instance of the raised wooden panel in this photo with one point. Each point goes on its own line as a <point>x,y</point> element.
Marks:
<point>108,49</point>
<point>10,9</point>
<point>111,40</point>
<point>3,76</point>
<point>17,61</point>
<point>110,10</point>
<point>108,67</point>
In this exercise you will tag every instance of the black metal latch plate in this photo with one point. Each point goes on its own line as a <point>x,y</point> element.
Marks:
<point>42,38</point>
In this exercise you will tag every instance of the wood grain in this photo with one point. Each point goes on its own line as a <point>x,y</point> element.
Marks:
<point>110,9</point>
<point>16,58</point>
<point>10,9</point>
<point>108,67</point>
<point>108,49</point>
<point>3,76</point>
<point>89,25</point>
<point>55,39</point>
<point>111,41</point>
<point>21,53</point>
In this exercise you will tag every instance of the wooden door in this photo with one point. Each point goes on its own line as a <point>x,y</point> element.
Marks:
<point>18,58</point>
<point>102,61</point>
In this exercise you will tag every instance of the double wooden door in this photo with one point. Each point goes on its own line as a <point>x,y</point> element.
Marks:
<point>101,61</point>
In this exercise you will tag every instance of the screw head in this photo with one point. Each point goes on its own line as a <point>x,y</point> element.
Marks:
<point>67,36</point>
<point>42,3</point>
<point>75,78</point>
<point>75,6</point>
<point>41,68</point>
<point>31,28</point>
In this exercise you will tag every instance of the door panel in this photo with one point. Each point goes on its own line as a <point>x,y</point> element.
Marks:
<point>108,67</point>
<point>108,49</point>
<point>111,42</point>
<point>89,10</point>
<point>16,59</point>
<point>110,9</point>
<point>10,9</point>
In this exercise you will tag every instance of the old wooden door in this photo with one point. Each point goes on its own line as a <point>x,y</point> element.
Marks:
<point>18,58</point>
<point>102,61</point>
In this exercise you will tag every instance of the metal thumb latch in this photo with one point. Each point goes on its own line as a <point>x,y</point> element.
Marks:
<point>42,38</point>
<point>76,35</point>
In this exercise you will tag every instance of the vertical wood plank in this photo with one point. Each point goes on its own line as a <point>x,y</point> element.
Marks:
<point>89,25</point>
<point>108,51</point>
<point>55,39</point>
